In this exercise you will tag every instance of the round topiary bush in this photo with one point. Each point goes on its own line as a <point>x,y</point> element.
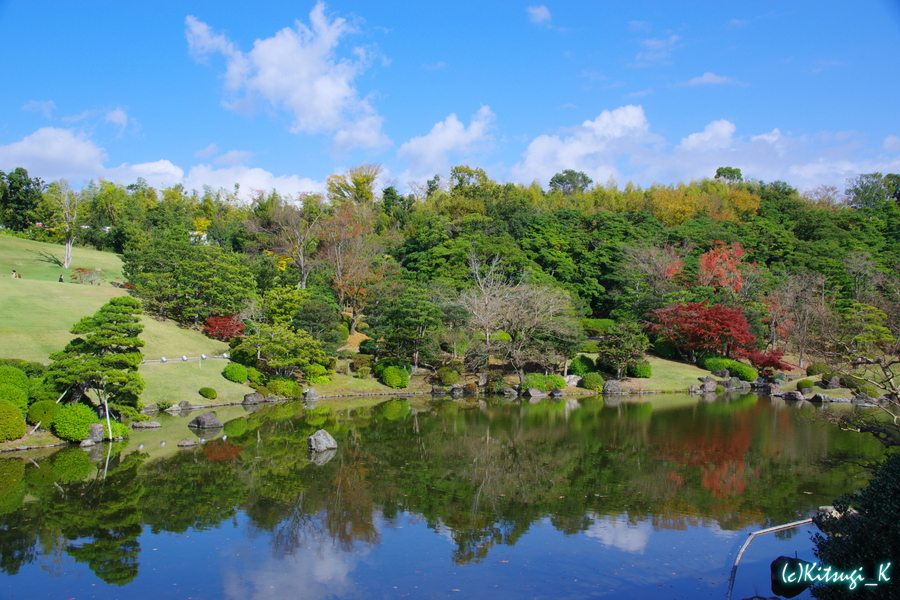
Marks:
<point>641,370</point>
<point>43,412</point>
<point>817,368</point>
<point>363,372</point>
<point>12,425</point>
<point>208,392</point>
<point>395,377</point>
<point>592,381</point>
<point>235,372</point>
<point>664,349</point>
<point>255,376</point>
<point>13,376</point>
<point>15,395</point>
<point>714,363</point>
<point>581,365</point>
<point>447,376</point>
<point>285,388</point>
<point>805,383</point>
<point>315,370</point>
<point>368,346</point>
<point>73,422</point>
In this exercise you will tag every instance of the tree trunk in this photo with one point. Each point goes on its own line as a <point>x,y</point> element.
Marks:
<point>67,259</point>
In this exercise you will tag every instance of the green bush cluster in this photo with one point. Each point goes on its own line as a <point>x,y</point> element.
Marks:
<point>589,347</point>
<point>368,346</point>
<point>285,388</point>
<point>581,365</point>
<point>12,425</point>
<point>447,376</point>
<point>805,383</point>
<point>640,370</point>
<point>73,422</point>
<point>592,381</point>
<point>384,363</point>
<point>208,392</point>
<point>395,377</point>
<point>664,349</point>
<point>13,376</point>
<point>315,370</point>
<point>318,379</point>
<point>43,412</point>
<point>545,383</point>
<point>363,372</point>
<point>360,361</point>
<point>817,368</point>
<point>869,390</point>
<point>596,327</point>
<point>735,368</point>
<point>235,372</point>
<point>15,395</point>
<point>255,376</point>
<point>345,353</point>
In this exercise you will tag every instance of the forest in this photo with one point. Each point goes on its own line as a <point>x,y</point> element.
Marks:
<point>465,272</point>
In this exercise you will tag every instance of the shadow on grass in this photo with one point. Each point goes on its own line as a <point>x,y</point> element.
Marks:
<point>47,257</point>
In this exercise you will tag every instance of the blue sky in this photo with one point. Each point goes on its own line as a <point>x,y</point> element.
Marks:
<point>214,93</point>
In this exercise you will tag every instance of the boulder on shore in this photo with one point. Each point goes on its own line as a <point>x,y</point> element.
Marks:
<point>205,420</point>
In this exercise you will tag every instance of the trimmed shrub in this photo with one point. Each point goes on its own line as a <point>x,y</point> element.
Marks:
<point>581,365</point>
<point>345,353</point>
<point>43,412</point>
<point>119,430</point>
<point>255,376</point>
<point>362,360</point>
<point>287,388</point>
<point>447,376</point>
<point>315,370</point>
<point>805,383</point>
<point>261,389</point>
<point>363,372</point>
<point>395,377</point>
<point>12,425</point>
<point>545,383</point>
<point>742,371</point>
<point>869,390</point>
<point>592,381</point>
<point>208,392</point>
<point>714,363</point>
<point>31,369</point>
<point>318,380</point>
<point>12,376</point>
<point>641,370</point>
<point>235,372</point>
<point>817,368</point>
<point>17,396</point>
<point>73,422</point>
<point>384,363</point>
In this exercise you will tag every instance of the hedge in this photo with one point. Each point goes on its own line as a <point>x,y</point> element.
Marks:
<point>13,376</point>
<point>447,376</point>
<point>15,395</point>
<point>581,365</point>
<point>394,377</point>
<point>640,370</point>
<point>545,383</point>
<point>817,368</point>
<point>805,383</point>
<point>73,422</point>
<point>592,381</point>
<point>735,368</point>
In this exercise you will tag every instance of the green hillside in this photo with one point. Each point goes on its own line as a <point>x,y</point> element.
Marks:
<point>36,313</point>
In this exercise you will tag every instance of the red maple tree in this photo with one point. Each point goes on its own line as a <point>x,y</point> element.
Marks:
<point>721,266</point>
<point>696,329</point>
<point>224,327</point>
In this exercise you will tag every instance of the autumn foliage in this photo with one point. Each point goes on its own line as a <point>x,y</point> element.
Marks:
<point>721,266</point>
<point>696,329</point>
<point>224,328</point>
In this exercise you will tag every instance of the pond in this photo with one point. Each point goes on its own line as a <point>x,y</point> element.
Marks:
<point>647,496</point>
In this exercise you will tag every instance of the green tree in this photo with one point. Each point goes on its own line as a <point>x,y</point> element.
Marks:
<point>283,350</point>
<point>105,359</point>
<point>20,198</point>
<point>188,283</point>
<point>569,182</point>
<point>622,346</point>
<point>729,174</point>
<point>407,324</point>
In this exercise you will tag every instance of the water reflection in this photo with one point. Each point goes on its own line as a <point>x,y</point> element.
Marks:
<point>483,474</point>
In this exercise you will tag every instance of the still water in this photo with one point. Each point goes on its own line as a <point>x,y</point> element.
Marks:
<point>648,496</point>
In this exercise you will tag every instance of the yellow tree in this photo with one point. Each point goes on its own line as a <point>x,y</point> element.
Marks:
<point>357,184</point>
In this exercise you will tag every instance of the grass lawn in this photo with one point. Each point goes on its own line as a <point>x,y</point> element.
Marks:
<point>39,261</point>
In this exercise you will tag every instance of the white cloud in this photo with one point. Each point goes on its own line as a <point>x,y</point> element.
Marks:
<point>619,533</point>
<point>771,137</point>
<point>716,136</point>
<point>892,143</point>
<point>298,70</point>
<point>249,179</point>
<point>53,153</point>
<point>709,78</point>
<point>429,154</point>
<point>233,157</point>
<point>538,14</point>
<point>117,117</point>
<point>657,49</point>
<point>44,107</point>
<point>208,151</point>
<point>592,147</point>
<point>639,94</point>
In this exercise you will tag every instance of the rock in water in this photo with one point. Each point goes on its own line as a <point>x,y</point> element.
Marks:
<point>206,420</point>
<point>321,441</point>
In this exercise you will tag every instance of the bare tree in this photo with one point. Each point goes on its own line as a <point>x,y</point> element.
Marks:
<point>66,203</point>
